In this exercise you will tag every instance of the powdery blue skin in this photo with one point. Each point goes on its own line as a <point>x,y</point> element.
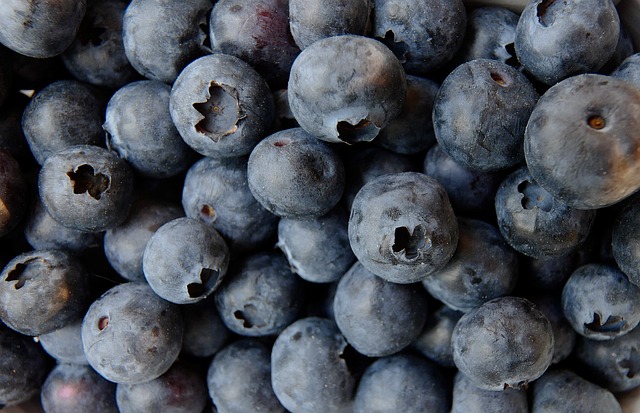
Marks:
<point>491,347</point>
<point>65,344</point>
<point>181,389</point>
<point>534,222</point>
<point>411,131</point>
<point>40,29</point>
<point>471,192</point>
<point>41,291</point>
<point>467,398</point>
<point>294,175</point>
<point>261,296</point>
<point>482,268</point>
<point>130,335</point>
<point>624,242</point>
<point>546,274</point>
<point>600,303</point>
<point>402,227</point>
<point>13,193</point>
<point>239,379</point>
<point>556,39</point>
<point>139,128</point>
<point>124,245</point>
<point>185,261</point>
<point>434,342</point>
<point>308,370</point>
<point>310,21</point>
<point>216,192</point>
<point>402,383</point>
<point>221,106</point>
<point>86,188</point>
<point>23,367</point>
<point>204,331</point>
<point>72,388</point>
<point>624,49</point>
<point>318,250</point>
<point>563,390</point>
<point>580,128</point>
<point>378,318</point>
<point>563,334</point>
<point>612,364</point>
<point>97,54</point>
<point>346,88</point>
<point>424,35</point>
<point>162,54</point>
<point>629,70</point>
<point>63,114</point>
<point>467,124</point>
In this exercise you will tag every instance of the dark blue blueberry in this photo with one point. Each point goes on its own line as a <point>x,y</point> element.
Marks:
<point>309,372</point>
<point>434,342</point>
<point>600,303</point>
<point>491,347</point>
<point>221,106</point>
<point>624,49</point>
<point>378,318</point>
<point>261,296</point>
<point>13,193</point>
<point>402,227</point>
<point>547,274</point>
<point>73,388</point>
<point>480,114</point>
<point>563,334</point>
<point>239,379</point>
<point>467,398</point>
<point>97,54</point>
<point>204,331</point>
<point>42,291</point>
<point>130,335</point>
<point>534,222</point>
<point>161,37</point>
<point>65,344</point>
<point>86,188</point>
<point>402,383</point>
<point>256,31</point>
<point>216,192</point>
<point>310,21</point>
<point>483,267</point>
<point>423,35</point>
<point>182,389</point>
<point>624,242</point>
<point>579,140</point>
<point>63,114</point>
<point>346,88</point>
<point>185,260</point>
<point>557,39</point>
<point>318,250</point>
<point>139,128</point>
<point>124,245</point>
<point>629,70</point>
<point>38,28</point>
<point>294,175</point>
<point>565,391</point>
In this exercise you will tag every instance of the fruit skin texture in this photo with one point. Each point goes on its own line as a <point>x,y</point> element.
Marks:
<point>582,142</point>
<point>467,398</point>
<point>624,242</point>
<point>402,227</point>
<point>491,347</point>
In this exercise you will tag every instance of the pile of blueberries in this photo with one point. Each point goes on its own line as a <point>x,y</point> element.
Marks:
<point>311,206</point>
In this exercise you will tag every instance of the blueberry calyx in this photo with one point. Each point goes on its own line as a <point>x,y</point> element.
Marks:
<point>221,112</point>
<point>631,363</point>
<point>398,47</point>
<point>249,316</point>
<point>84,179</point>
<point>534,196</point>
<point>198,289</point>
<point>613,325</point>
<point>361,131</point>
<point>20,274</point>
<point>410,244</point>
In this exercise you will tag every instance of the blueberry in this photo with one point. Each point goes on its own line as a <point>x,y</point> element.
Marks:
<point>294,175</point>
<point>544,275</point>
<point>185,260</point>
<point>160,38</point>
<point>563,334</point>
<point>86,188</point>
<point>467,124</point>
<point>402,227</point>
<point>346,88</point>
<point>483,267</point>
<point>239,379</point>
<point>600,303</point>
<point>402,383</point>
<point>63,114</point>
<point>65,344</point>
<point>629,70</point>
<point>180,390</point>
<point>624,242</point>
<point>139,128</point>
<point>204,331</point>
<point>42,291</point>
<point>579,141</point>
<point>130,335</point>
<point>221,106</point>
<point>434,342</point>
<point>491,347</point>
<point>309,372</point>
<point>557,39</point>
<point>467,398</point>
<point>72,388</point>
<point>13,193</point>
